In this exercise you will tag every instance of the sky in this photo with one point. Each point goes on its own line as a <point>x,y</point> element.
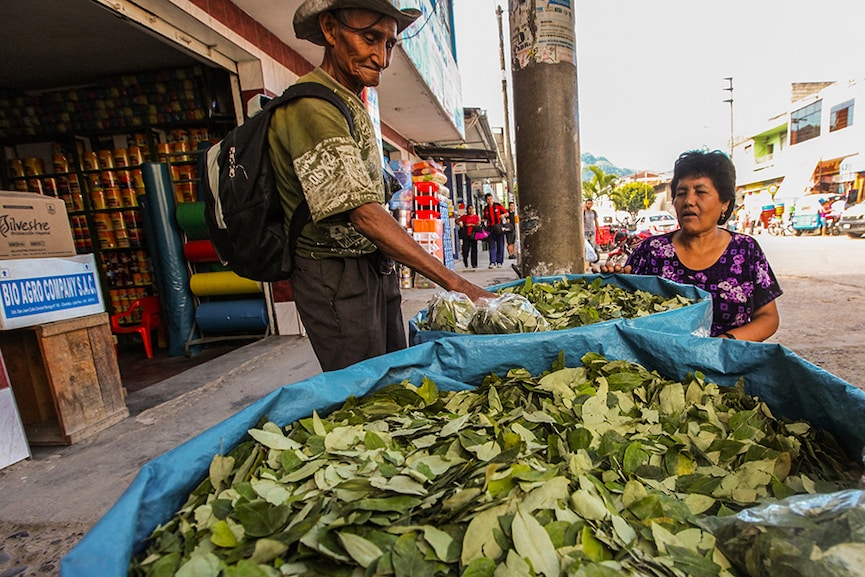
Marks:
<point>651,74</point>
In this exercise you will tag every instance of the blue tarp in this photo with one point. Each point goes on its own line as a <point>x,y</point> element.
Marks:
<point>696,318</point>
<point>791,386</point>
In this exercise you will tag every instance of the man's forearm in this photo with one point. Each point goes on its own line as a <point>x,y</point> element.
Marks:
<point>376,223</point>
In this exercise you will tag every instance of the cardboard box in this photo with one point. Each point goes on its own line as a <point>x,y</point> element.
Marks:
<point>32,225</point>
<point>43,290</point>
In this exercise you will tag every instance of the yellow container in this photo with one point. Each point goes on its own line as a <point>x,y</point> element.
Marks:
<point>77,200</point>
<point>16,168</point>
<point>106,239</point>
<point>221,284</point>
<point>112,198</point>
<point>135,155</point>
<point>124,179</point>
<point>162,151</point>
<point>33,166</point>
<point>105,159</point>
<point>34,185</point>
<point>128,197</point>
<point>89,161</point>
<point>179,147</point>
<point>74,185</point>
<point>103,222</point>
<point>50,187</point>
<point>118,221</point>
<point>97,199</point>
<point>122,238</point>
<point>121,157</point>
<point>108,179</point>
<point>61,164</point>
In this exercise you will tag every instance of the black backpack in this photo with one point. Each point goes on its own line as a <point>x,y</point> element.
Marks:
<point>243,211</point>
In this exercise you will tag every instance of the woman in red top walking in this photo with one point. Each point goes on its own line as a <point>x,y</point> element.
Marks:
<point>467,224</point>
<point>493,213</point>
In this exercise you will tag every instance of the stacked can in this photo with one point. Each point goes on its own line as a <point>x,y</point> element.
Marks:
<point>89,161</point>
<point>105,230</point>
<point>184,182</point>
<point>134,228</point>
<point>163,149</point>
<point>33,169</point>
<point>145,267</point>
<point>121,233</point>
<point>16,171</point>
<point>81,234</point>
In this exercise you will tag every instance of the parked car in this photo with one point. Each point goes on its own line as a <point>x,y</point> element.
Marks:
<point>656,222</point>
<point>852,221</point>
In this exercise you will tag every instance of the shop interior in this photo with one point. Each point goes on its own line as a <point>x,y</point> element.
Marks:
<point>83,87</point>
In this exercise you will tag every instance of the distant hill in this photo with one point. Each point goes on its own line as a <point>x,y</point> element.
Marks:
<point>589,159</point>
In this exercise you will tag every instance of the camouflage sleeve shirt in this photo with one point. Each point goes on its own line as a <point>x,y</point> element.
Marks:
<point>315,157</point>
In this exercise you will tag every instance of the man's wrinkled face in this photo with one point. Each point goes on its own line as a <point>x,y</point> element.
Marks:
<point>361,45</point>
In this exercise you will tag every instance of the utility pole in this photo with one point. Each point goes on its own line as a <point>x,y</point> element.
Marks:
<point>509,159</point>
<point>729,88</point>
<point>544,70</point>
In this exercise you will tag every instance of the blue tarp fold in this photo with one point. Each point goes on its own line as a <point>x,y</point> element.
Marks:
<point>791,386</point>
<point>696,318</point>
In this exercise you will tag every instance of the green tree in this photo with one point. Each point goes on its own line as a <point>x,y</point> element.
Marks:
<point>633,196</point>
<point>599,184</point>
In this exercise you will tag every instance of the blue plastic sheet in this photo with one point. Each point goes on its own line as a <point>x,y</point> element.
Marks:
<point>166,251</point>
<point>791,386</point>
<point>695,319</point>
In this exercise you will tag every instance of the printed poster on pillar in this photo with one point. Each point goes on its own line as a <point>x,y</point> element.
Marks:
<point>542,31</point>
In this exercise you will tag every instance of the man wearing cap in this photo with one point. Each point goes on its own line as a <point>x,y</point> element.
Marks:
<point>346,292</point>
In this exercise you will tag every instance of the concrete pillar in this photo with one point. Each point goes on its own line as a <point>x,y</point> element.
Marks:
<point>543,65</point>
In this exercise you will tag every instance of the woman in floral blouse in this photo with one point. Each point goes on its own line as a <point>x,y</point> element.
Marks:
<point>728,265</point>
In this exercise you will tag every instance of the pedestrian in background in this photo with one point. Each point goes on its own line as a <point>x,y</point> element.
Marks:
<point>590,224</point>
<point>493,213</point>
<point>467,224</point>
<point>511,230</point>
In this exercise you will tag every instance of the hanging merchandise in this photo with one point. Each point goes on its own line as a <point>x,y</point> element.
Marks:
<point>428,171</point>
<point>402,199</point>
<point>430,225</point>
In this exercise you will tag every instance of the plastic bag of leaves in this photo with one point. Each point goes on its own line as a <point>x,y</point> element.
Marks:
<point>800,536</point>
<point>450,311</point>
<point>507,314</point>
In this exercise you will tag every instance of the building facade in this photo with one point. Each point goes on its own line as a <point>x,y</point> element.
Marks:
<point>815,147</point>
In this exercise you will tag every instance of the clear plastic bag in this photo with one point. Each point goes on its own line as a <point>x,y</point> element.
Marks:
<point>801,536</point>
<point>450,311</point>
<point>507,314</point>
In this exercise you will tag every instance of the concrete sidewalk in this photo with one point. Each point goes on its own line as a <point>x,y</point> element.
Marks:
<point>72,487</point>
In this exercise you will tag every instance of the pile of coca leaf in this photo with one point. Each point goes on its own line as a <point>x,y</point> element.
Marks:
<point>596,471</point>
<point>535,306</point>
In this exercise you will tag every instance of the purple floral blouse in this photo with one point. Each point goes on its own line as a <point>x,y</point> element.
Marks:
<point>740,282</point>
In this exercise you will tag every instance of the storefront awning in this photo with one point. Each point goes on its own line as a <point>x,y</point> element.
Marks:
<point>851,166</point>
<point>797,180</point>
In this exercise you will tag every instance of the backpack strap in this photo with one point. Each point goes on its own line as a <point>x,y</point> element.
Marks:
<point>301,215</point>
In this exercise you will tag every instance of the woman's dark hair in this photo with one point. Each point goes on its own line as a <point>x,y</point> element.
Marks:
<point>717,167</point>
